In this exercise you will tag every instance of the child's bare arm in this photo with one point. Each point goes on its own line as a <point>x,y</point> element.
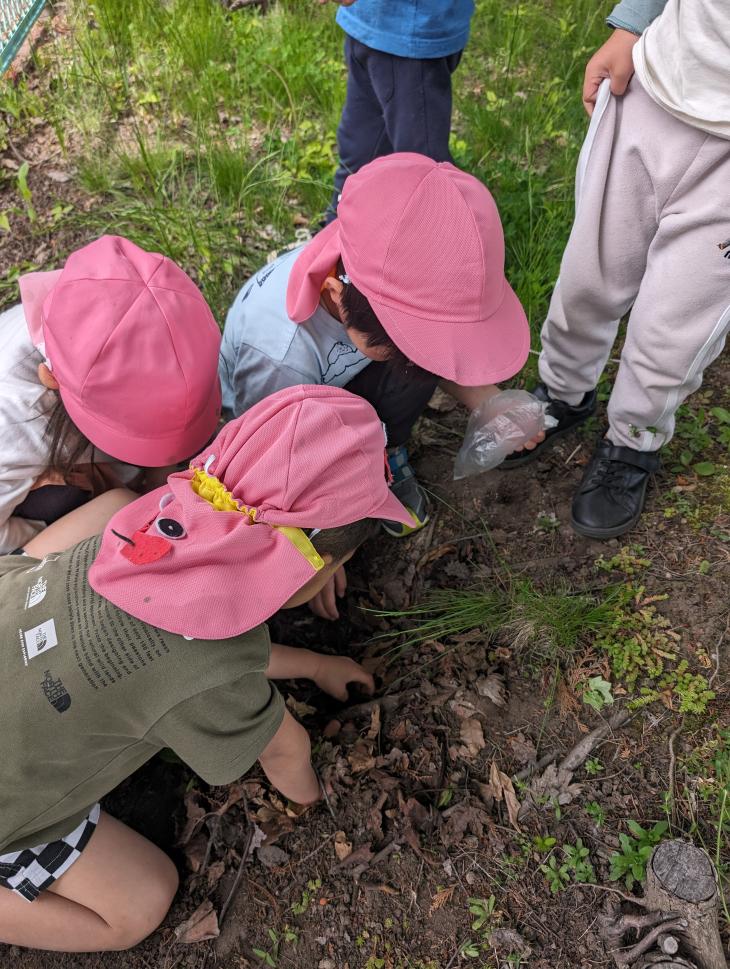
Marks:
<point>330,673</point>
<point>470,397</point>
<point>287,763</point>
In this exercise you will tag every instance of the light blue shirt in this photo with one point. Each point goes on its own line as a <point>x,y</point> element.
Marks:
<point>263,351</point>
<point>409,28</point>
<point>635,15</point>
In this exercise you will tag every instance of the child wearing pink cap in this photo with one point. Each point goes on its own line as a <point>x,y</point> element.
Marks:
<point>107,367</point>
<point>403,291</point>
<point>154,636</point>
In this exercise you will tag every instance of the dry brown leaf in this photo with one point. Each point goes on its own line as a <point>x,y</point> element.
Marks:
<point>374,729</point>
<point>472,736</point>
<point>360,757</point>
<point>487,794</point>
<point>442,402</point>
<point>301,709</point>
<point>202,925</point>
<point>522,748</point>
<point>441,898</point>
<point>396,759</point>
<point>272,857</point>
<point>196,807</point>
<point>195,852</point>
<point>554,786</point>
<point>492,687</point>
<point>507,940</point>
<point>360,856</point>
<point>462,707</point>
<point>343,847</point>
<point>504,790</point>
<point>214,873</point>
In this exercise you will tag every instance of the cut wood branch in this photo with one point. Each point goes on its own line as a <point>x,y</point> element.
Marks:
<point>585,747</point>
<point>680,877</point>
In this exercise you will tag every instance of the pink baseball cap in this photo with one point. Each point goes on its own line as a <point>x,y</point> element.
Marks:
<point>422,240</point>
<point>220,547</point>
<point>134,348</point>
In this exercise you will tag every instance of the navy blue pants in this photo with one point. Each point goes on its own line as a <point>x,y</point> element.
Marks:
<point>398,398</point>
<point>392,104</point>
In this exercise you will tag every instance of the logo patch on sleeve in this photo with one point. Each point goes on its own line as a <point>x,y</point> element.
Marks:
<point>38,640</point>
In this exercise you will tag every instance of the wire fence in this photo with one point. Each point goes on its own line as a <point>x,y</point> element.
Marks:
<point>16,19</point>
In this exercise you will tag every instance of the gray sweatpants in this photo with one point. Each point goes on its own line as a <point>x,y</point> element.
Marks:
<point>652,205</point>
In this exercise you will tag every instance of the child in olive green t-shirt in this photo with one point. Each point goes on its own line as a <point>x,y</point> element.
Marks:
<point>154,636</point>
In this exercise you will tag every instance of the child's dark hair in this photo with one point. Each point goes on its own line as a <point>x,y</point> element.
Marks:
<point>339,542</point>
<point>360,316</point>
<point>67,444</point>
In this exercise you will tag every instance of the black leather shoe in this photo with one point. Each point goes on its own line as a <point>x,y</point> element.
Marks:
<point>610,498</point>
<point>567,416</point>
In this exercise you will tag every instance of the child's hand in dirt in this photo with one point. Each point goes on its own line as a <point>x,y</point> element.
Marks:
<point>324,604</point>
<point>333,673</point>
<point>614,60</point>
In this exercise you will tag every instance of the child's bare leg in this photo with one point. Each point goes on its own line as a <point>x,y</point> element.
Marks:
<point>83,522</point>
<point>115,895</point>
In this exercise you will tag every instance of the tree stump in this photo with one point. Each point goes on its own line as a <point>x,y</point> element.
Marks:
<point>681,878</point>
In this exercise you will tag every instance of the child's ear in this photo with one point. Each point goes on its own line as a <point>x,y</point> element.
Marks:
<point>333,288</point>
<point>46,377</point>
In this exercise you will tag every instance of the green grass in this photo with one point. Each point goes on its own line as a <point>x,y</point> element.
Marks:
<point>204,132</point>
<point>549,621</point>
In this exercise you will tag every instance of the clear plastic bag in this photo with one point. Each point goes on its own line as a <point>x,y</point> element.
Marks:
<point>498,427</point>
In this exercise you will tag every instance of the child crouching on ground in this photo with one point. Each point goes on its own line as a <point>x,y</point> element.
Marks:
<point>107,379</point>
<point>405,289</point>
<point>154,636</point>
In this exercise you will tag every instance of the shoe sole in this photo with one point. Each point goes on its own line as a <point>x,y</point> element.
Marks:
<point>601,533</point>
<point>542,447</point>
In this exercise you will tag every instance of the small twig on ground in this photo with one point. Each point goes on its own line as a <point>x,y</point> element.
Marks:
<point>573,453</point>
<point>241,865</point>
<point>300,861</point>
<point>672,766</point>
<point>326,798</point>
<point>716,656</point>
<point>607,888</point>
<point>380,856</point>
<point>455,956</point>
<point>583,749</point>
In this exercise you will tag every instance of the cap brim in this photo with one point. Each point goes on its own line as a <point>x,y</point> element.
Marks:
<point>471,354</point>
<point>393,510</point>
<point>310,270</point>
<point>34,288</point>
<point>151,451</point>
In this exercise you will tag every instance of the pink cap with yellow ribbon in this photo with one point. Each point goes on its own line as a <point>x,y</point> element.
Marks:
<point>221,546</point>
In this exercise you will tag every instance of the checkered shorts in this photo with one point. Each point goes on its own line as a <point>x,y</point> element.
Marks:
<point>32,870</point>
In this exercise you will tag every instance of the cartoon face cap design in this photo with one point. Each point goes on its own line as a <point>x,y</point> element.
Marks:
<point>221,546</point>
